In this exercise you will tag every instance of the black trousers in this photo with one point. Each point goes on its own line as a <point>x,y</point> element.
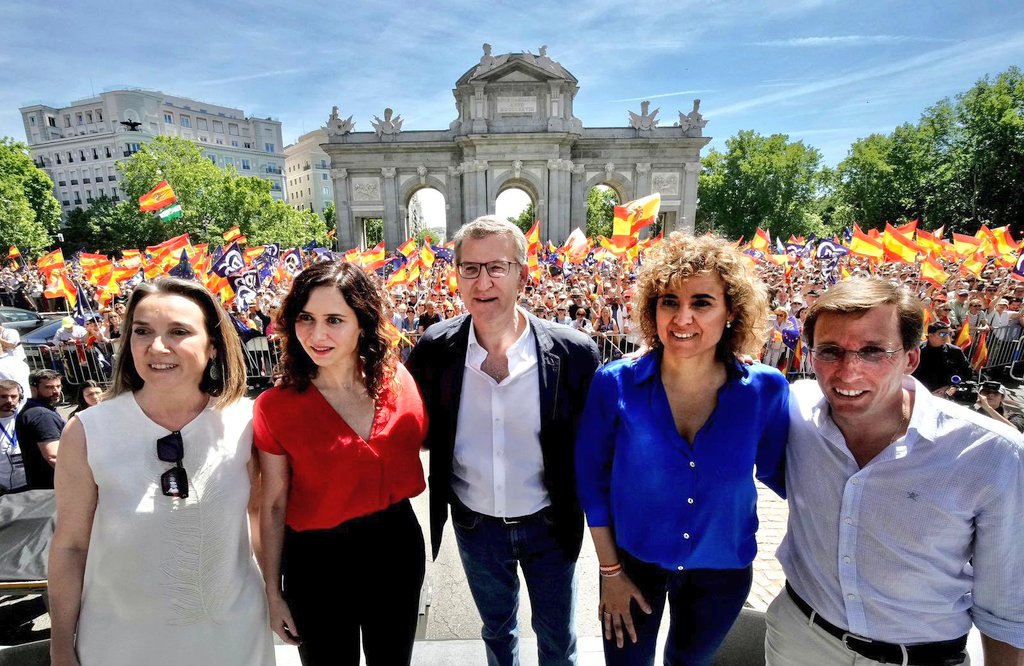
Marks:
<point>362,576</point>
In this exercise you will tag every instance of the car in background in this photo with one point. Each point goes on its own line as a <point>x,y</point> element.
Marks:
<point>42,335</point>
<point>20,320</point>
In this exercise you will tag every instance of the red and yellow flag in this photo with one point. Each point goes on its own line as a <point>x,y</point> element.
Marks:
<point>865,245</point>
<point>427,255</point>
<point>159,197</point>
<point>231,235</point>
<point>407,248</point>
<point>933,273</point>
<point>761,241</point>
<point>898,247</point>
<point>966,246</point>
<point>14,252</point>
<point>980,353</point>
<point>963,340</point>
<point>374,258</point>
<point>51,261</point>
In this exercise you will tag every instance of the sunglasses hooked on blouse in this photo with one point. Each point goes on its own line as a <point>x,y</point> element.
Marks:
<point>171,449</point>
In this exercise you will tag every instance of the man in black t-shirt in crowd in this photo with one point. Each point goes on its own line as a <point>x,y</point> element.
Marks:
<point>941,360</point>
<point>39,426</point>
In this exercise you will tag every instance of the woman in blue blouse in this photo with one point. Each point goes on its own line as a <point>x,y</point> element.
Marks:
<point>666,450</point>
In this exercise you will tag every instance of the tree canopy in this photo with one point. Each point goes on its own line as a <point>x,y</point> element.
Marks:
<point>29,213</point>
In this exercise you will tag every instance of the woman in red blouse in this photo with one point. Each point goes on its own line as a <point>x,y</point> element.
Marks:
<point>339,442</point>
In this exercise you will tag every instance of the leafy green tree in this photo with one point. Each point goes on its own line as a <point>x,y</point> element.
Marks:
<point>525,219</point>
<point>108,227</point>
<point>215,200</point>
<point>765,181</point>
<point>29,213</point>
<point>18,224</point>
<point>373,230</point>
<point>601,202</point>
<point>331,215</point>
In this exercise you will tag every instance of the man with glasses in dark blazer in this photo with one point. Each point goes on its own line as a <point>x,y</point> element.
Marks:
<point>504,391</point>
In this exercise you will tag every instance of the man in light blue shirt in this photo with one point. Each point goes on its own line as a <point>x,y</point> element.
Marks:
<point>906,519</point>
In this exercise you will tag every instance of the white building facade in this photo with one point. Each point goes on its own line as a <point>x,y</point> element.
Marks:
<point>79,145</point>
<point>307,173</point>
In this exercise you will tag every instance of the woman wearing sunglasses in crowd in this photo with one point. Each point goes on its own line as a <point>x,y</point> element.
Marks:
<point>339,441</point>
<point>676,433</point>
<point>151,561</point>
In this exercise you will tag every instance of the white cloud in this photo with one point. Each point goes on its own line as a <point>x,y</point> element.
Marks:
<point>849,40</point>
<point>660,95</point>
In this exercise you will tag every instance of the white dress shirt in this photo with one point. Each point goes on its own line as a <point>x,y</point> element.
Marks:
<point>886,551</point>
<point>498,467</point>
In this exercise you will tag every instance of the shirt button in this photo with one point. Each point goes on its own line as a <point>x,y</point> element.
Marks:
<point>693,464</point>
<point>686,535</point>
<point>856,482</point>
<point>848,521</point>
<point>846,560</point>
<point>689,500</point>
<point>679,568</point>
<point>851,597</point>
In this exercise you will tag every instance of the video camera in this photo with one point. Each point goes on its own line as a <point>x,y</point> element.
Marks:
<point>965,393</point>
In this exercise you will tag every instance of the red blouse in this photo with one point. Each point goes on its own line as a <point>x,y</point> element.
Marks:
<point>335,475</point>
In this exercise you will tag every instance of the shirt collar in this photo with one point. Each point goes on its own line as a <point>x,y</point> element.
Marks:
<point>520,348</point>
<point>923,416</point>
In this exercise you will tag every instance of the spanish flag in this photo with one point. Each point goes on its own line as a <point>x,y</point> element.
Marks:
<point>761,241</point>
<point>231,235</point>
<point>408,248</point>
<point>642,212</point>
<point>966,246</point>
<point>427,255</point>
<point>159,197</point>
<point>51,261</point>
<point>898,247</point>
<point>865,245</point>
<point>933,273</point>
<point>374,258</point>
<point>963,340</point>
<point>980,353</point>
<point>14,252</point>
<point>171,245</point>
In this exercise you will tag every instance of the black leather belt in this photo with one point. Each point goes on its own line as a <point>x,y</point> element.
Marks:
<point>941,653</point>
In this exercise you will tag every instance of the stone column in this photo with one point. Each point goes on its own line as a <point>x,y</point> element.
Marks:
<point>347,236</point>
<point>642,181</point>
<point>474,180</point>
<point>557,226</point>
<point>392,221</point>
<point>577,201</point>
<point>453,204</point>
<point>688,207</point>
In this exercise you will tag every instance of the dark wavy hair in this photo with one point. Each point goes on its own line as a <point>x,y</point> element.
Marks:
<point>377,357</point>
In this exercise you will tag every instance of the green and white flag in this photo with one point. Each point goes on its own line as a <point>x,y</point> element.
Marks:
<point>170,213</point>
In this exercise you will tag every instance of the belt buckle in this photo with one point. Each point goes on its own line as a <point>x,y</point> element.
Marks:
<point>847,636</point>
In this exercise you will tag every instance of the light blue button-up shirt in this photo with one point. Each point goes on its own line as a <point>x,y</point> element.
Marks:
<point>678,504</point>
<point>929,534</point>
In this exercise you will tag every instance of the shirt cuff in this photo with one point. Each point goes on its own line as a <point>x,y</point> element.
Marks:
<point>999,628</point>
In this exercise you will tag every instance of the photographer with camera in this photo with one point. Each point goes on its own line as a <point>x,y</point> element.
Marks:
<point>990,403</point>
<point>941,360</point>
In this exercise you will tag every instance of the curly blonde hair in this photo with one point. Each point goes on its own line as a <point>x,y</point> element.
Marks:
<point>679,257</point>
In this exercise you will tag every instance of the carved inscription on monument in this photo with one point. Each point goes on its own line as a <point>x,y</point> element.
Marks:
<point>666,183</point>
<point>517,105</point>
<point>365,189</point>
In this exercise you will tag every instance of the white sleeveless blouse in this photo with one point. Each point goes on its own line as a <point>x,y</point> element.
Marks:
<point>171,581</point>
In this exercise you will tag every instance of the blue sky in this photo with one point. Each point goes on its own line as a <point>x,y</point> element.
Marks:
<point>821,71</point>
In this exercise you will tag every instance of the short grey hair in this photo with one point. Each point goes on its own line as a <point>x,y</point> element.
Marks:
<point>490,225</point>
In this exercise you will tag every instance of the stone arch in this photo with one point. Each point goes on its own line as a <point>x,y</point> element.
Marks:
<point>414,185</point>
<point>527,182</point>
<point>620,184</point>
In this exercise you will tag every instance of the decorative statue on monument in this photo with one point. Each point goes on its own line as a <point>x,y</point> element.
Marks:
<point>692,123</point>
<point>388,125</point>
<point>338,127</point>
<point>645,121</point>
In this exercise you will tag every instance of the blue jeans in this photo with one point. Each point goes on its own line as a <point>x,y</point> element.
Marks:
<point>703,605</point>
<point>491,552</point>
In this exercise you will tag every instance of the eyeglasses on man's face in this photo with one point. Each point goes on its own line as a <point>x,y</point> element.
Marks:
<point>495,269</point>
<point>869,354</point>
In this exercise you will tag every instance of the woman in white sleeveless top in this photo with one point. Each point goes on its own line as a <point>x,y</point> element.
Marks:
<point>150,562</point>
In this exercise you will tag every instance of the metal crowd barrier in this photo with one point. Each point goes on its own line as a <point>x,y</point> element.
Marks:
<point>75,361</point>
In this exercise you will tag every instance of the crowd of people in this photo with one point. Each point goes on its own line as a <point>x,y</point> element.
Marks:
<point>189,515</point>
